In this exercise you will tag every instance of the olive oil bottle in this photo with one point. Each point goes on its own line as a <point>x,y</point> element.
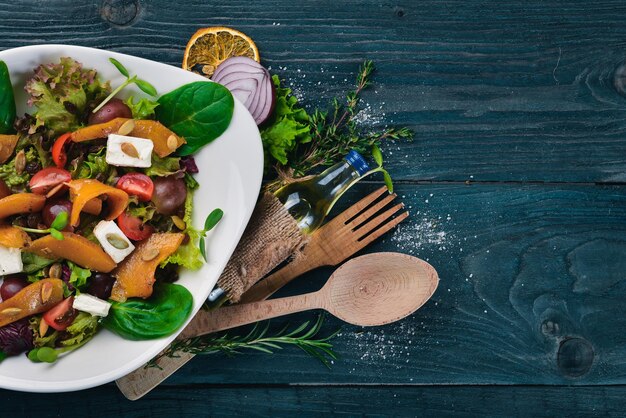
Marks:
<point>309,201</point>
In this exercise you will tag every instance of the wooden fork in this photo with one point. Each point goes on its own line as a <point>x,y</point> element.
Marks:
<point>347,233</point>
<point>334,242</point>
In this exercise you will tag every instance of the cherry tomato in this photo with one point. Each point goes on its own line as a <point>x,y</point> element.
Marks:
<point>132,227</point>
<point>137,184</point>
<point>58,150</point>
<point>47,179</point>
<point>61,315</point>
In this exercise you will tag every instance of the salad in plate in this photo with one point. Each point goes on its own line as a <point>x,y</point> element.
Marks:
<point>96,197</point>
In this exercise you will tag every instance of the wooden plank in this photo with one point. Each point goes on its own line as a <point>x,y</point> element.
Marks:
<point>530,293</point>
<point>312,401</point>
<point>530,92</point>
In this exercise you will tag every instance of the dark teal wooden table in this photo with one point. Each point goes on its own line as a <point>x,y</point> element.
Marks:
<point>515,183</point>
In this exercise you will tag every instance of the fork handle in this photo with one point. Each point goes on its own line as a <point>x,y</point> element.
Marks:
<point>266,287</point>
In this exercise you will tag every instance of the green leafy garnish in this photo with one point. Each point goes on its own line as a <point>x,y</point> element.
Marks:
<point>287,127</point>
<point>163,167</point>
<point>10,175</point>
<point>378,158</point>
<point>137,319</point>
<point>59,223</point>
<point>143,85</point>
<point>143,109</point>
<point>94,166</point>
<point>3,355</point>
<point>7,101</point>
<point>79,275</point>
<point>34,263</point>
<point>81,331</point>
<point>330,135</point>
<point>61,93</point>
<point>259,340</point>
<point>188,255</point>
<point>199,111</point>
<point>214,217</point>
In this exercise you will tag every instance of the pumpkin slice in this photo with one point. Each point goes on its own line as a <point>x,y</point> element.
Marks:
<point>13,237</point>
<point>84,190</point>
<point>33,299</point>
<point>93,206</point>
<point>135,275</point>
<point>7,146</point>
<point>21,203</point>
<point>165,141</point>
<point>75,248</point>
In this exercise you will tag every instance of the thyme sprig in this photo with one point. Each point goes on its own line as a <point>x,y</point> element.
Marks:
<point>303,337</point>
<point>336,132</point>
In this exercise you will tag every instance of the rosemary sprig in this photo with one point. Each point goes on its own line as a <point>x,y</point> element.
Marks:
<point>257,339</point>
<point>336,132</point>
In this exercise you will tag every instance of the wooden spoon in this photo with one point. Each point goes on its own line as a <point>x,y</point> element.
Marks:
<point>373,289</point>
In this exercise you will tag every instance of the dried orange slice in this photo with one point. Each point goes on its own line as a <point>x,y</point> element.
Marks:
<point>208,47</point>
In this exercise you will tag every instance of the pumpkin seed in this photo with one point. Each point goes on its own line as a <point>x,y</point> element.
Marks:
<point>129,149</point>
<point>11,311</point>
<point>20,162</point>
<point>172,143</point>
<point>180,224</point>
<point>46,291</point>
<point>127,127</point>
<point>43,328</point>
<point>55,190</point>
<point>56,271</point>
<point>117,241</point>
<point>150,254</point>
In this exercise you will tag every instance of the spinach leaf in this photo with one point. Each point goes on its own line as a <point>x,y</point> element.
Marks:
<point>199,112</point>
<point>137,319</point>
<point>7,101</point>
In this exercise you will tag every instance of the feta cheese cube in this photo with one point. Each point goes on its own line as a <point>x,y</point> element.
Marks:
<point>10,260</point>
<point>91,304</point>
<point>120,150</point>
<point>113,240</point>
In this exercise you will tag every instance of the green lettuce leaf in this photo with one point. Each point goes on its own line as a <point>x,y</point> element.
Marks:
<point>188,255</point>
<point>10,176</point>
<point>82,330</point>
<point>79,275</point>
<point>288,126</point>
<point>143,109</point>
<point>61,93</point>
<point>143,211</point>
<point>34,263</point>
<point>163,166</point>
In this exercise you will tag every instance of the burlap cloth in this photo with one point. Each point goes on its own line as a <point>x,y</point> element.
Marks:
<point>271,237</point>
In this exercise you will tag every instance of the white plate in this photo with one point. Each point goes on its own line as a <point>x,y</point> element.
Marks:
<point>231,168</point>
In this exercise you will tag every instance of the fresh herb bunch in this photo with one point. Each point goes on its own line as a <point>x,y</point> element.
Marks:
<point>143,85</point>
<point>331,134</point>
<point>258,339</point>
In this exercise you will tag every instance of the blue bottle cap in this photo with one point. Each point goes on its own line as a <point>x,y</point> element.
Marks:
<point>357,161</point>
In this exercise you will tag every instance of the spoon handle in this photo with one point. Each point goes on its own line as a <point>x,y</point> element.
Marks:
<point>207,322</point>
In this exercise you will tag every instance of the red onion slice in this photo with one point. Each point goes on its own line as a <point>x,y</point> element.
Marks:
<point>250,83</point>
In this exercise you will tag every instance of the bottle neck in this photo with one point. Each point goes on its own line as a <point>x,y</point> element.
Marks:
<point>336,180</point>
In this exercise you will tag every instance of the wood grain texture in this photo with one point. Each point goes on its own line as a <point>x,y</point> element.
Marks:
<point>532,275</point>
<point>530,292</point>
<point>531,91</point>
<point>306,401</point>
